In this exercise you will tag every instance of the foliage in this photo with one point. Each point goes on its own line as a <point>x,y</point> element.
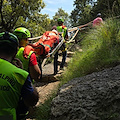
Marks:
<point>12,11</point>
<point>108,8</point>
<point>43,110</point>
<point>100,50</point>
<point>81,13</point>
<point>37,25</point>
<point>61,14</point>
<point>20,13</point>
<point>86,10</point>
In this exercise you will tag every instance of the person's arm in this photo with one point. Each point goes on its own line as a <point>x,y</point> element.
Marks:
<point>34,69</point>
<point>66,35</point>
<point>29,93</point>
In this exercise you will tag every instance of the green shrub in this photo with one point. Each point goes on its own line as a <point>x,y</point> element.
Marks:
<point>101,49</point>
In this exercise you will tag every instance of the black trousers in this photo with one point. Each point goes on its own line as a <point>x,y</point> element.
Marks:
<point>64,55</point>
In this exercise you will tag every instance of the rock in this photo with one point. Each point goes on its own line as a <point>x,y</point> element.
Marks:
<point>92,97</point>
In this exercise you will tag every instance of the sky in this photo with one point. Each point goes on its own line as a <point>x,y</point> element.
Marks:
<point>53,5</point>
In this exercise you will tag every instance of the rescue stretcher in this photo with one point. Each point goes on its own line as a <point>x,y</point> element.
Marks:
<point>73,32</point>
<point>45,47</point>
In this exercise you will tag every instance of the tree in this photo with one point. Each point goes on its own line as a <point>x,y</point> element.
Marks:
<point>37,24</point>
<point>13,10</point>
<point>61,14</point>
<point>82,12</point>
<point>108,8</point>
<point>86,10</point>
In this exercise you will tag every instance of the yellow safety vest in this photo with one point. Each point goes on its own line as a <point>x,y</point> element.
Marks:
<point>11,81</point>
<point>25,61</point>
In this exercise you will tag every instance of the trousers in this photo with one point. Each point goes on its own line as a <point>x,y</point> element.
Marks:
<point>64,55</point>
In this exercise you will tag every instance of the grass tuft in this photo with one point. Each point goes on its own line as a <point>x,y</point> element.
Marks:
<point>101,49</point>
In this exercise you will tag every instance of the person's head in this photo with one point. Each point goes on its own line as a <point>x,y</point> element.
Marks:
<point>54,29</point>
<point>60,21</point>
<point>99,15</point>
<point>23,34</point>
<point>8,44</point>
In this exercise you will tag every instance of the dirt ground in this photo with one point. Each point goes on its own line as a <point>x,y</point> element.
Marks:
<point>51,80</point>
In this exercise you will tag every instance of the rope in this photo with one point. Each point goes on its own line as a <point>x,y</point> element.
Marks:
<point>34,38</point>
<point>73,36</point>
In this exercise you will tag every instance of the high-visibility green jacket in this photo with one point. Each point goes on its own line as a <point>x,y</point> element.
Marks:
<point>11,81</point>
<point>62,30</point>
<point>25,61</point>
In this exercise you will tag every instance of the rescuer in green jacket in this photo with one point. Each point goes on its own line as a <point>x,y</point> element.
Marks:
<point>15,83</point>
<point>62,30</point>
<point>30,63</point>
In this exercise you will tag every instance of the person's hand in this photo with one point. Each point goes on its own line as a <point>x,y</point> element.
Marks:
<point>17,63</point>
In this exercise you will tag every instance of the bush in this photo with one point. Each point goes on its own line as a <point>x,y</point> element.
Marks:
<point>101,49</point>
